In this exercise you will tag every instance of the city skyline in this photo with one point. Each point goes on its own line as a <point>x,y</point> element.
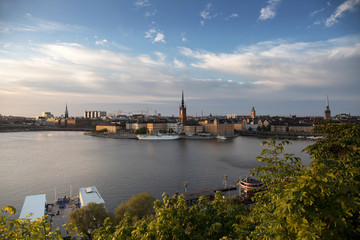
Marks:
<point>282,57</point>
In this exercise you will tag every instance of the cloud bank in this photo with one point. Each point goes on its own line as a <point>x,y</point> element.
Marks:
<point>277,70</point>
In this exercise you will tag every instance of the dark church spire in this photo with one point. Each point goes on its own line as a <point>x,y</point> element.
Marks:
<point>182,110</point>
<point>182,100</point>
<point>327,112</point>
<point>66,112</point>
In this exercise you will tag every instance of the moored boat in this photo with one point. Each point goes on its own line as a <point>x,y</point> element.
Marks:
<point>221,137</point>
<point>250,186</point>
<point>157,137</point>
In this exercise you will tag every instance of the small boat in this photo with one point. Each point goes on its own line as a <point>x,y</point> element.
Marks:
<point>221,137</point>
<point>157,137</point>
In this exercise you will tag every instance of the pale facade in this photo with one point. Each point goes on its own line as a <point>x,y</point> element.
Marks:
<point>193,129</point>
<point>135,126</point>
<point>217,128</point>
<point>240,126</point>
<point>176,127</point>
<point>278,128</point>
<point>109,128</point>
<point>301,128</point>
<point>156,127</point>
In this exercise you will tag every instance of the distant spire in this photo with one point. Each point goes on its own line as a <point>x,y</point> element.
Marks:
<point>182,99</point>
<point>327,112</point>
<point>327,109</point>
<point>327,101</point>
<point>66,111</point>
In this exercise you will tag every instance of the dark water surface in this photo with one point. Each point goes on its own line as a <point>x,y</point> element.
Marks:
<point>39,162</point>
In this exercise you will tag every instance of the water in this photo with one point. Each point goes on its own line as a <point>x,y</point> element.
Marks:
<point>49,162</point>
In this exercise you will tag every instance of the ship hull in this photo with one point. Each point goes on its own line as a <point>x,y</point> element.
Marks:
<point>157,137</point>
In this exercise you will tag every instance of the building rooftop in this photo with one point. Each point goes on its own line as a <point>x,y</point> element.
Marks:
<point>34,204</point>
<point>90,194</point>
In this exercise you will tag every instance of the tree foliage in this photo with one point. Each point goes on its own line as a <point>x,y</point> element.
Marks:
<point>139,206</point>
<point>24,228</point>
<point>88,218</point>
<point>320,201</point>
<point>175,220</point>
<point>142,130</point>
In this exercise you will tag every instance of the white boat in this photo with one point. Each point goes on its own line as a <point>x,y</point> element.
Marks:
<point>221,137</point>
<point>157,137</point>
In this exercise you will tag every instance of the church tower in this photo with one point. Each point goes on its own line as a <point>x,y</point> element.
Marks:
<point>182,110</point>
<point>253,114</point>
<point>66,112</point>
<point>327,112</point>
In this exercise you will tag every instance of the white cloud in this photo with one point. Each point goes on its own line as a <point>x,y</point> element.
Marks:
<point>284,64</point>
<point>206,14</point>
<point>150,13</point>
<point>103,42</point>
<point>312,14</point>
<point>178,64</point>
<point>155,35</point>
<point>348,5</point>
<point>269,11</point>
<point>234,15</point>
<point>34,24</point>
<point>183,37</point>
<point>142,3</point>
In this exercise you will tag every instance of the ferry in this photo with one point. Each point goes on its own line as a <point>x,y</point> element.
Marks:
<point>157,137</point>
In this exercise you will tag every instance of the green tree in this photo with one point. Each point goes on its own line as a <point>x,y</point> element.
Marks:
<point>139,206</point>
<point>320,201</point>
<point>24,228</point>
<point>88,218</point>
<point>175,220</point>
<point>142,130</point>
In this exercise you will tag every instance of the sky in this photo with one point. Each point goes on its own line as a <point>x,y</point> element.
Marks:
<point>284,57</point>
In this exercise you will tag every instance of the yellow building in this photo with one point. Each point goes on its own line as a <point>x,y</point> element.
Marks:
<point>218,128</point>
<point>193,129</point>
<point>110,128</point>
<point>156,127</point>
<point>240,126</point>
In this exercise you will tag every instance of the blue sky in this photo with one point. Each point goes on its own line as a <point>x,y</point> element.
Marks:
<point>281,56</point>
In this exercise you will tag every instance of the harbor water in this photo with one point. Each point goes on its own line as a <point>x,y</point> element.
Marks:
<point>59,163</point>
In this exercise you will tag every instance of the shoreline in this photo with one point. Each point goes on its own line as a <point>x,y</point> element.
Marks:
<point>88,132</point>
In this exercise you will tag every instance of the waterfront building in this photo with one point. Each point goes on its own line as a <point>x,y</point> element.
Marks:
<point>133,126</point>
<point>240,126</point>
<point>217,127</point>
<point>90,195</point>
<point>279,127</point>
<point>182,110</point>
<point>111,128</point>
<point>94,114</point>
<point>306,128</point>
<point>176,127</point>
<point>327,112</point>
<point>156,127</point>
<point>35,204</point>
<point>193,129</point>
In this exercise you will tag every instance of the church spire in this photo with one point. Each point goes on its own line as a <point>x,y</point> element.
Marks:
<point>327,101</point>
<point>182,110</point>
<point>66,112</point>
<point>327,112</point>
<point>182,99</point>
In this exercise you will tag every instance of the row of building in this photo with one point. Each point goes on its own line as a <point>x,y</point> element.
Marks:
<point>220,125</point>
